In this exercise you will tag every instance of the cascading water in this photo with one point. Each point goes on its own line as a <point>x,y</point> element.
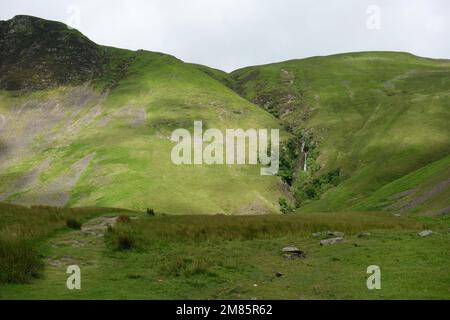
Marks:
<point>304,164</point>
<point>305,153</point>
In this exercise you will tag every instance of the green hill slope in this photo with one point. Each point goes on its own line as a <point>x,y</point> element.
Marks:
<point>88,125</point>
<point>367,119</point>
<point>102,138</point>
<point>424,190</point>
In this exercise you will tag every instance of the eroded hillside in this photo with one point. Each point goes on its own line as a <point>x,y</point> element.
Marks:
<point>103,139</point>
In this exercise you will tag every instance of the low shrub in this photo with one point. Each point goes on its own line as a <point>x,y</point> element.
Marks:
<point>123,219</point>
<point>73,223</point>
<point>180,266</point>
<point>125,242</point>
<point>19,261</point>
<point>285,207</point>
<point>122,238</point>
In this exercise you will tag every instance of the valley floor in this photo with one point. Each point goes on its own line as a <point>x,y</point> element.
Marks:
<point>221,257</point>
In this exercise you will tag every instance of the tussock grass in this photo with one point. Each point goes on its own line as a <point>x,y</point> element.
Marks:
<point>182,266</point>
<point>19,260</point>
<point>122,237</point>
<point>21,228</point>
<point>123,219</point>
<point>41,221</point>
<point>221,227</point>
<point>73,223</point>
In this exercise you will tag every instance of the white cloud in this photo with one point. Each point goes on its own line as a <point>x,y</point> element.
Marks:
<point>228,34</point>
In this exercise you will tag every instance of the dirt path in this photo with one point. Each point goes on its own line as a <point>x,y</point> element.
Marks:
<point>80,247</point>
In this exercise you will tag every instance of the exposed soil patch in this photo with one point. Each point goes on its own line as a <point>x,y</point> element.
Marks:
<point>98,226</point>
<point>87,238</point>
<point>57,192</point>
<point>258,206</point>
<point>133,115</point>
<point>441,212</point>
<point>403,194</point>
<point>426,195</point>
<point>63,261</point>
<point>73,243</point>
<point>36,125</point>
<point>26,181</point>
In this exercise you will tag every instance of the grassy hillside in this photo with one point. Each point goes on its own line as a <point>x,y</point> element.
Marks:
<point>100,135</point>
<point>219,75</point>
<point>107,142</point>
<point>425,190</point>
<point>367,118</point>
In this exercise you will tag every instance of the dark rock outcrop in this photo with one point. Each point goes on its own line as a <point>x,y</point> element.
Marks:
<point>38,54</point>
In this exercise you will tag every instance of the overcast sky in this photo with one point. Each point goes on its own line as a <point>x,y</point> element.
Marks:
<point>229,34</point>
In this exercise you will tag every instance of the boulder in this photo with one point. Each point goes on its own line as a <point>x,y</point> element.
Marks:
<point>317,234</point>
<point>327,234</point>
<point>425,233</point>
<point>292,252</point>
<point>336,234</point>
<point>364,235</point>
<point>331,241</point>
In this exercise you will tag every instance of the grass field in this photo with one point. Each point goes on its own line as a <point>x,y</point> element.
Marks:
<point>225,257</point>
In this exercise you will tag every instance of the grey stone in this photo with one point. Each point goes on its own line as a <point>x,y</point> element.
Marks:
<point>364,235</point>
<point>317,234</point>
<point>291,249</point>
<point>337,234</point>
<point>425,233</point>
<point>331,241</point>
<point>292,252</point>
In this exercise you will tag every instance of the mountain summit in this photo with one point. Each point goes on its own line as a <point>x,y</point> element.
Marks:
<point>38,54</point>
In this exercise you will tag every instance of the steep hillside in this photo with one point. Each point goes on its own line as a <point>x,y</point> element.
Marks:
<point>36,54</point>
<point>83,124</point>
<point>365,120</point>
<point>106,141</point>
<point>425,190</point>
<point>219,75</point>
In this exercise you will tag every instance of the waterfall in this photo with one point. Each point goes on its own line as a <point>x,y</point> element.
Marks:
<point>304,153</point>
<point>304,163</point>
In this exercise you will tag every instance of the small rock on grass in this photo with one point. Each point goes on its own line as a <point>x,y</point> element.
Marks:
<point>328,234</point>
<point>329,242</point>
<point>364,235</point>
<point>336,234</point>
<point>292,252</point>
<point>425,233</point>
